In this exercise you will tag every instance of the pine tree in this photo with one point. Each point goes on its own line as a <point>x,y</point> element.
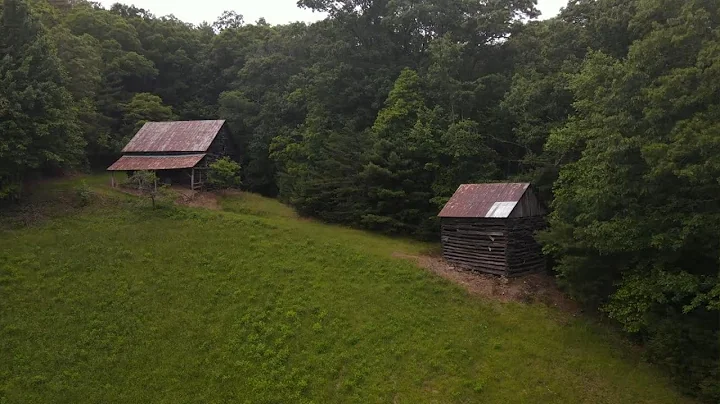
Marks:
<point>400,169</point>
<point>318,173</point>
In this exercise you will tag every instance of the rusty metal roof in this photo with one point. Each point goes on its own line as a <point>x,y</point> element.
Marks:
<point>484,200</point>
<point>177,136</point>
<point>127,163</point>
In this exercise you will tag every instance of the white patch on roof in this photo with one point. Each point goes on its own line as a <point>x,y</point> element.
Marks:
<point>501,209</point>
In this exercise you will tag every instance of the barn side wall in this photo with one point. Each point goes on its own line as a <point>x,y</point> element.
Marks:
<point>504,247</point>
<point>475,244</point>
<point>528,206</point>
<point>524,253</point>
<point>222,146</point>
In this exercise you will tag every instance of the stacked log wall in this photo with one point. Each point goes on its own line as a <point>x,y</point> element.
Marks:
<point>524,253</point>
<point>497,246</point>
<point>478,245</point>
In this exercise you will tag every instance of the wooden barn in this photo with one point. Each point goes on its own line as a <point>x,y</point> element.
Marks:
<point>179,152</point>
<point>490,228</point>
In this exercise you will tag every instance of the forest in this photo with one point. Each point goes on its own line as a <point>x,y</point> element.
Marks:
<point>372,117</point>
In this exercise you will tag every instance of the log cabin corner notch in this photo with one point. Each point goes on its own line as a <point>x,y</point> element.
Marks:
<point>490,228</point>
<point>178,151</point>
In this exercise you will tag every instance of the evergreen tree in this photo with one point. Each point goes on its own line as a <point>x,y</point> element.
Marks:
<point>465,157</point>
<point>318,170</point>
<point>400,170</point>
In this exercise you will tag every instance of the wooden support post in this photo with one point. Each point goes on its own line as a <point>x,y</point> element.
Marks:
<point>192,179</point>
<point>112,178</point>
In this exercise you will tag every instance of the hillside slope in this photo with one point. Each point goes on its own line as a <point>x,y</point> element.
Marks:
<point>119,303</point>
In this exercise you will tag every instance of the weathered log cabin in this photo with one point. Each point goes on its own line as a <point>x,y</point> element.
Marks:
<point>490,228</point>
<point>179,152</point>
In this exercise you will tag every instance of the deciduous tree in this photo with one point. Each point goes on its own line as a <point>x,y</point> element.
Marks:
<point>39,126</point>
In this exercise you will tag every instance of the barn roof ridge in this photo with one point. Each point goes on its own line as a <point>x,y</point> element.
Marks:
<point>488,200</point>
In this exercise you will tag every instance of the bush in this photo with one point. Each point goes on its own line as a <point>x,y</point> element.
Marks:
<point>10,189</point>
<point>84,194</point>
<point>147,183</point>
<point>224,174</point>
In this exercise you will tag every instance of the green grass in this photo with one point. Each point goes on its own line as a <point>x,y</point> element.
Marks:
<point>256,205</point>
<point>118,303</point>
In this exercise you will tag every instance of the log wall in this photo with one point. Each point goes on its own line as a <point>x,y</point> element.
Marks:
<point>496,246</point>
<point>524,254</point>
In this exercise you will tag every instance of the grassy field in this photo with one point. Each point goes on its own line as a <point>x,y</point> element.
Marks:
<point>118,303</point>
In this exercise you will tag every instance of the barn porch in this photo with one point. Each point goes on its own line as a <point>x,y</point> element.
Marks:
<point>178,169</point>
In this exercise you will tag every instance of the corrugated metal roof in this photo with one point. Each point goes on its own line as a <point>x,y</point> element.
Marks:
<point>484,200</point>
<point>177,136</point>
<point>127,163</point>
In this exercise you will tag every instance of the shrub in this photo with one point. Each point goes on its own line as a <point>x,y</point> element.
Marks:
<point>147,183</point>
<point>224,174</point>
<point>84,194</point>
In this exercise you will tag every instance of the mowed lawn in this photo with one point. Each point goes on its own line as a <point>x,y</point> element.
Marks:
<point>119,303</point>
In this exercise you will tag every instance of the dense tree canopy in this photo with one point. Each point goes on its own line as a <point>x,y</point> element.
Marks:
<point>39,125</point>
<point>374,116</point>
<point>636,213</point>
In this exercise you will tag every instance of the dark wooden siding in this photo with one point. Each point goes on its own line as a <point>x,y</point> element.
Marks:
<point>496,246</point>
<point>476,244</point>
<point>524,253</point>
<point>222,146</point>
<point>528,205</point>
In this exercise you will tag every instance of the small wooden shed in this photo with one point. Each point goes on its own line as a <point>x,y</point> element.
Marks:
<point>490,228</point>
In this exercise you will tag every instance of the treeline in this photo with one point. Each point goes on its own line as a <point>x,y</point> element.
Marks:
<point>373,117</point>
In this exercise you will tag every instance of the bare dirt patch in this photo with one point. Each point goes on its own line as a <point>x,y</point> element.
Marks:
<point>185,197</point>
<point>534,288</point>
<point>195,199</point>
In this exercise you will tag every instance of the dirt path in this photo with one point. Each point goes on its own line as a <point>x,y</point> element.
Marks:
<point>535,288</point>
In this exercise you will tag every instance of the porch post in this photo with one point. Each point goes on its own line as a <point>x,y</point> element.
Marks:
<point>192,179</point>
<point>112,179</point>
